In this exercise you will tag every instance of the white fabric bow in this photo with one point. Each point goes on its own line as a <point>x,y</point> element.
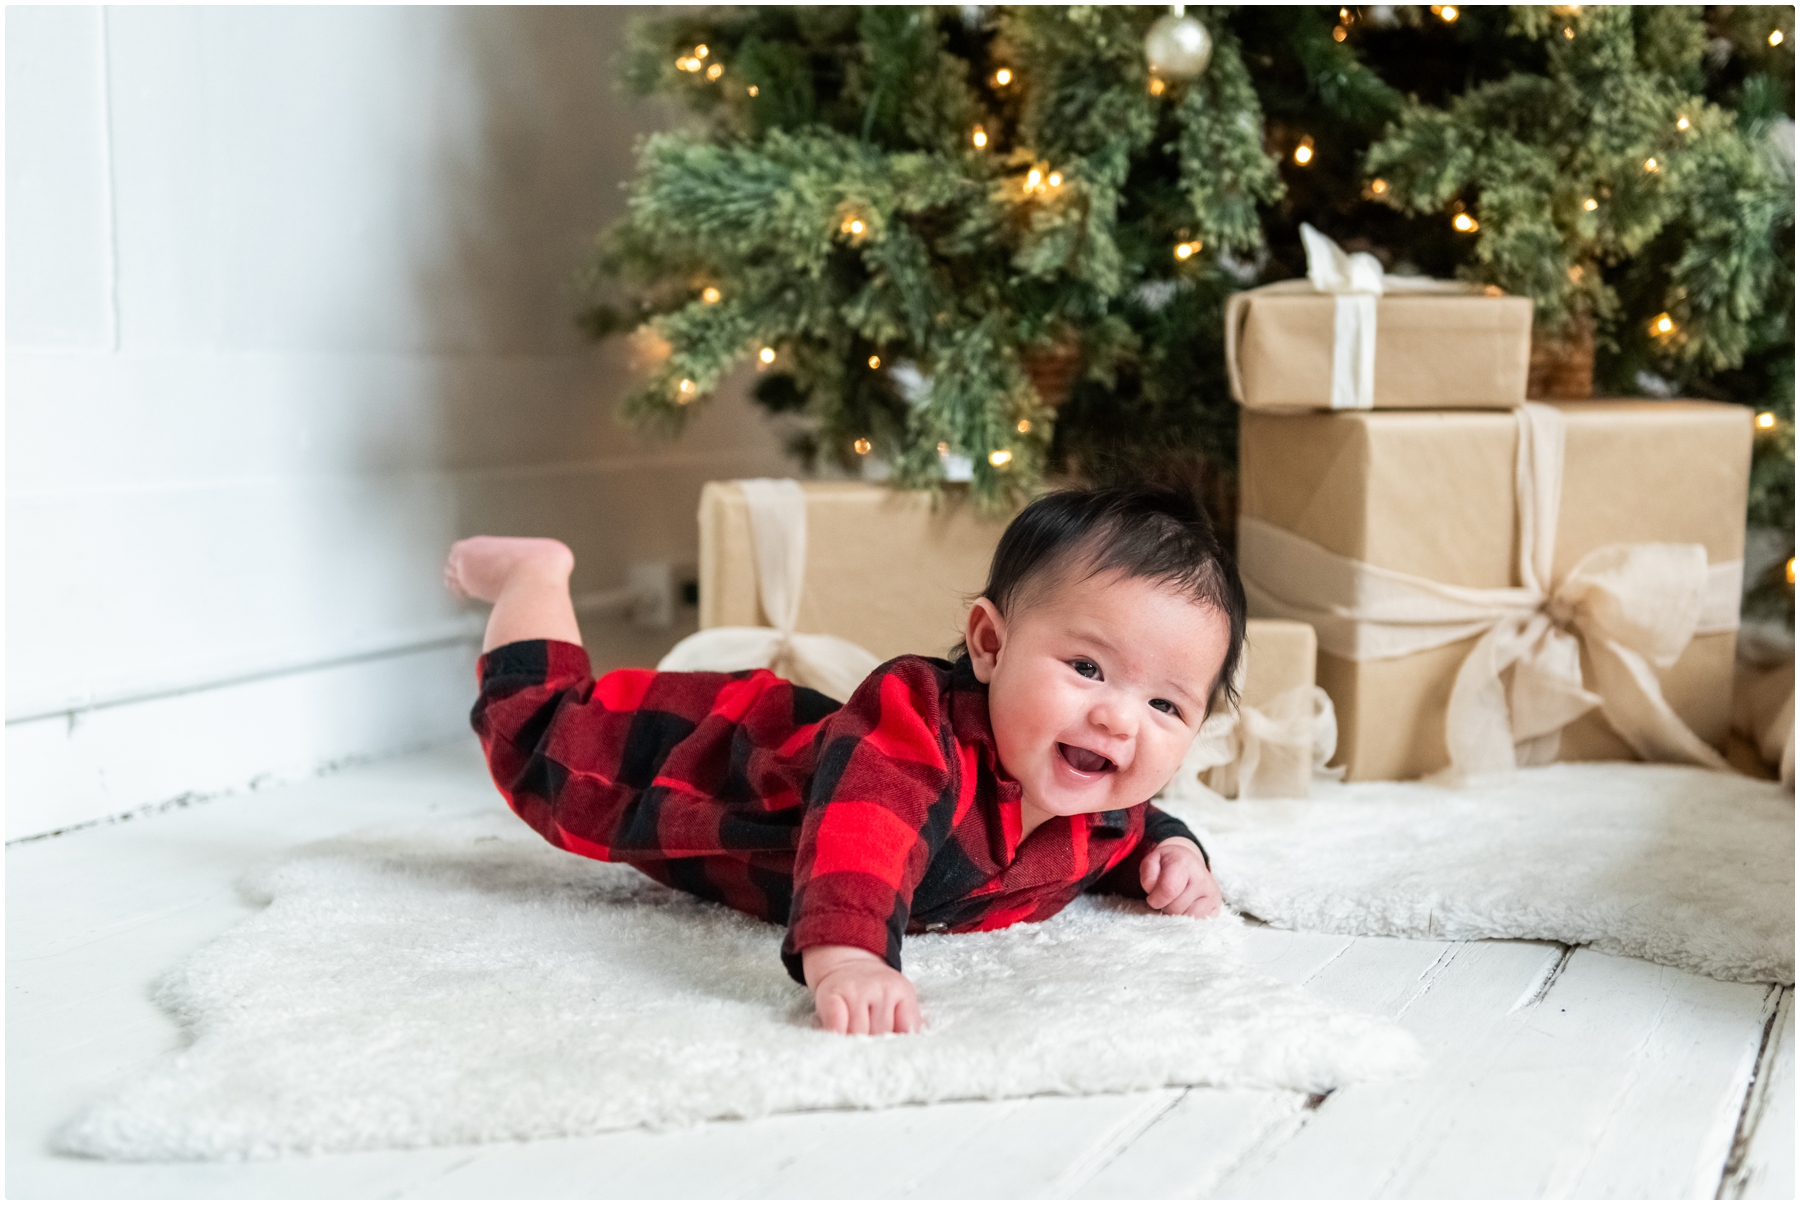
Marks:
<point>828,664</point>
<point>1261,753</point>
<point>1634,607</point>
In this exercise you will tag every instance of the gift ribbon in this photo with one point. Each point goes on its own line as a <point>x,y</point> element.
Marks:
<point>1355,282</point>
<point>1633,607</point>
<point>1261,753</point>
<point>828,664</point>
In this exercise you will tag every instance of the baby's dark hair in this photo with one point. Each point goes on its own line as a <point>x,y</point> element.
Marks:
<point>1155,532</point>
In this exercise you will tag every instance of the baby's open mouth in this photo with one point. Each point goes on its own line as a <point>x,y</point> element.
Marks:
<point>1085,760</point>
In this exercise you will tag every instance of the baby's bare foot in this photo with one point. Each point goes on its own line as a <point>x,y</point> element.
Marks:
<point>481,566</point>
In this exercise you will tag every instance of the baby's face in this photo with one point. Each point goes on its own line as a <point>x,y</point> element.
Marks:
<point>1096,689</point>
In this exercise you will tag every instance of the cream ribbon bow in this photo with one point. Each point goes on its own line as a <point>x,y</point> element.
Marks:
<point>1261,753</point>
<point>828,664</point>
<point>1634,607</point>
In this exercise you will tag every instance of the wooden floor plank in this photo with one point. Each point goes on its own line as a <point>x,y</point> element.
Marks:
<point>1761,1167</point>
<point>1189,1148</point>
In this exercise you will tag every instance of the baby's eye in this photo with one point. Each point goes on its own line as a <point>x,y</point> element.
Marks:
<point>1085,668</point>
<point>1167,707</point>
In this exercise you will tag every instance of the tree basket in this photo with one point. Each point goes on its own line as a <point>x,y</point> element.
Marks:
<point>1562,366</point>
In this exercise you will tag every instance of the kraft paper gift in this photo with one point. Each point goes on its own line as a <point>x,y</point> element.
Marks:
<point>1591,552</point>
<point>840,576</point>
<point>1351,338</point>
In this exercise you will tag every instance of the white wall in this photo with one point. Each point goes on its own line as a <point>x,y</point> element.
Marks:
<point>288,308</point>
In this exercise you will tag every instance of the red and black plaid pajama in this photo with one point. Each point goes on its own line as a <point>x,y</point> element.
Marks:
<point>851,825</point>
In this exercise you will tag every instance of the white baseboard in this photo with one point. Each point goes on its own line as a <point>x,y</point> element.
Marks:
<point>63,772</point>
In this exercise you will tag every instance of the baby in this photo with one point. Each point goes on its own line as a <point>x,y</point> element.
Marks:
<point>942,796</point>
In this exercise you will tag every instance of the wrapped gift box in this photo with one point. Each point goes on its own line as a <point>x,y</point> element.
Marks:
<point>1433,350</point>
<point>1433,495</point>
<point>888,571</point>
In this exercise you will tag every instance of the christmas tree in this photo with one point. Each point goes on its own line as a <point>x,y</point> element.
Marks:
<point>1004,236</point>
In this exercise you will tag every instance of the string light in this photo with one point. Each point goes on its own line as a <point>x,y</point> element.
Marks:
<point>752,89</point>
<point>862,447</point>
<point>1569,33</point>
<point>766,355</point>
<point>1339,33</point>
<point>1775,39</point>
<point>710,295</point>
<point>1157,87</point>
<point>1055,180</point>
<point>1650,164</point>
<point>1346,16</point>
<point>1445,11</point>
<point>943,449</point>
<point>1662,324</point>
<point>1378,187</point>
<point>685,392</point>
<point>1185,251</point>
<point>1465,223</point>
<point>1000,458</point>
<point>1790,571</point>
<point>715,71</point>
<point>1590,204</point>
<point>702,50</point>
<point>851,226</point>
<point>979,137</point>
<point>1003,77</point>
<point>1023,427</point>
<point>688,63</point>
<point>1682,123</point>
<point>1766,420</point>
<point>1303,154</point>
<point>874,361</point>
<point>1032,179</point>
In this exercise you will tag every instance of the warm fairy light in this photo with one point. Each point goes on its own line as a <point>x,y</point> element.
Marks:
<point>1003,77</point>
<point>685,389</point>
<point>1682,123</point>
<point>715,71</point>
<point>1766,420</point>
<point>710,295</point>
<point>1187,250</point>
<point>687,63</point>
<point>1055,180</point>
<point>979,138</point>
<point>1662,324</point>
<point>1790,571</point>
<point>1446,11</point>
<point>862,447</point>
<point>1569,32</point>
<point>766,355</point>
<point>1590,204</point>
<point>1000,458</point>
<point>943,449</point>
<point>1378,186</point>
<point>1775,40</point>
<point>1465,223</point>
<point>874,361</point>
<point>851,226</point>
<point>1033,178</point>
<point>1651,165</point>
<point>702,50</point>
<point>1339,33</point>
<point>1023,427</point>
<point>1157,87</point>
<point>751,89</point>
<point>1303,153</point>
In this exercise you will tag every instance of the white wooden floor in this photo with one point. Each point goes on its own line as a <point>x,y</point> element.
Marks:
<point>1554,1073</point>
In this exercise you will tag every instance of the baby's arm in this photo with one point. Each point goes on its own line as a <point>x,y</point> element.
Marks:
<point>856,992</point>
<point>527,580</point>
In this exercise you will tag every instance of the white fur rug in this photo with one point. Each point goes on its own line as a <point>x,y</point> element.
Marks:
<point>1680,866</point>
<point>465,982</point>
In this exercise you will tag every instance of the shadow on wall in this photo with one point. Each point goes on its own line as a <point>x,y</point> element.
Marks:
<point>543,143</point>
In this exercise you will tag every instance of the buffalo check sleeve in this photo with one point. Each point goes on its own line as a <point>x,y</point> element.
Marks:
<point>882,801</point>
<point>1124,878</point>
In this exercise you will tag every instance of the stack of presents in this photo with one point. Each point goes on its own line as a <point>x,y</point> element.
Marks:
<point>1445,580</point>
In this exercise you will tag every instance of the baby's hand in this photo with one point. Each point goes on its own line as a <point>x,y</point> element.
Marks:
<point>1177,881</point>
<point>856,992</point>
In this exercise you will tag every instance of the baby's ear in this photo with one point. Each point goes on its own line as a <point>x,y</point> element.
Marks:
<point>984,633</point>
